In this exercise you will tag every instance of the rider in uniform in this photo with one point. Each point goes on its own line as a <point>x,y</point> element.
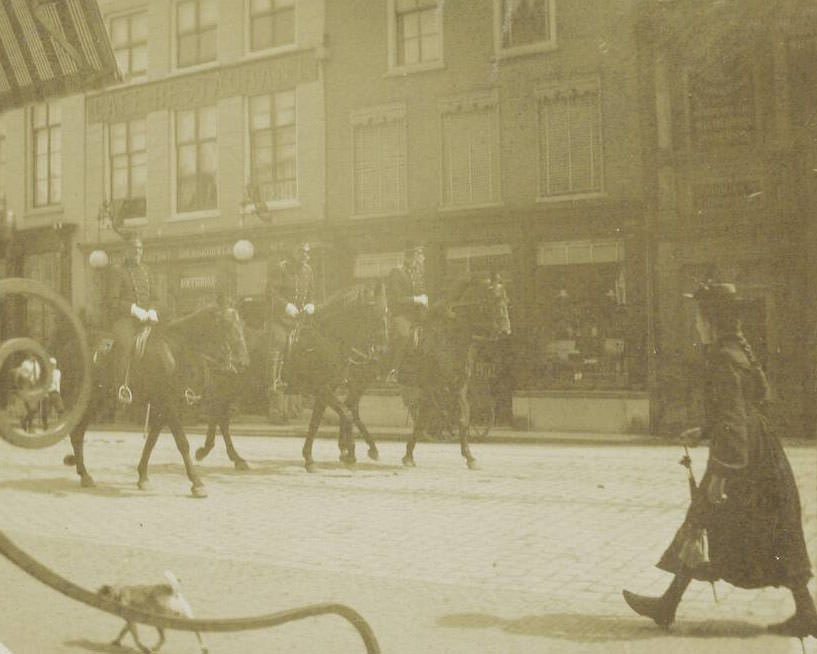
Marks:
<point>134,307</point>
<point>408,304</point>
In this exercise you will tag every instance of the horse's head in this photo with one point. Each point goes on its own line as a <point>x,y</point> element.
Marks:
<point>481,304</point>
<point>357,316</point>
<point>217,333</point>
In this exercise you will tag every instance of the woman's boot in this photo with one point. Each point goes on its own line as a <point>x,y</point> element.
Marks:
<point>660,609</point>
<point>804,621</point>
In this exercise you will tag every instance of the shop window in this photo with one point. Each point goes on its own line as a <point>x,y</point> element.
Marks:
<point>41,319</point>
<point>524,26</point>
<point>196,32</point>
<point>46,137</point>
<point>273,146</point>
<point>129,39</point>
<point>127,164</point>
<point>376,266</point>
<point>196,160</point>
<point>379,160</point>
<point>272,24</point>
<point>470,152</point>
<point>570,152</point>
<point>585,334</point>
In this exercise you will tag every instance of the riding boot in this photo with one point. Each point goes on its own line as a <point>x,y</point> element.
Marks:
<point>660,609</point>
<point>804,621</point>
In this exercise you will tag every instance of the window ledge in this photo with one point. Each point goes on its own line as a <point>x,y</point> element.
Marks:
<point>273,51</point>
<point>468,207</point>
<point>575,197</point>
<point>48,210</point>
<point>136,221</point>
<point>402,213</point>
<point>195,68</point>
<point>525,50</point>
<point>193,215</point>
<point>272,205</point>
<point>402,71</point>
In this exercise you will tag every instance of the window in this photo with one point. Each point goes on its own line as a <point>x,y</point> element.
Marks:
<point>195,32</point>
<point>376,265</point>
<point>470,152</point>
<point>721,99</point>
<point>802,52</point>
<point>196,160</point>
<point>46,136</point>
<point>272,146</point>
<point>570,155</point>
<point>416,37</point>
<point>129,38</point>
<point>523,26</point>
<point>379,160</point>
<point>586,333</point>
<point>128,167</point>
<point>272,23</point>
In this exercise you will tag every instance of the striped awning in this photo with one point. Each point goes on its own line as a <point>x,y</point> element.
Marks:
<point>51,48</point>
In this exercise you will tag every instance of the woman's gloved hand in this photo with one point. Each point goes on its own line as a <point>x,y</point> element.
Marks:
<point>716,490</point>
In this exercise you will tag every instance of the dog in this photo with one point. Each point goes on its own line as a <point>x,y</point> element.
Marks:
<point>162,599</point>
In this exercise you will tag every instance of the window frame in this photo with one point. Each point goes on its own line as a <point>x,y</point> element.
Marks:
<point>266,51</point>
<point>109,168</point>
<point>547,45</point>
<point>129,77</point>
<point>375,115</point>
<point>395,68</point>
<point>594,84</point>
<point>248,135</point>
<point>210,212</point>
<point>32,135</point>
<point>176,37</point>
<point>462,105</point>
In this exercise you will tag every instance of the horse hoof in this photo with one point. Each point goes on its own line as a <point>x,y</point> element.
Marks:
<point>472,464</point>
<point>374,455</point>
<point>310,466</point>
<point>202,452</point>
<point>408,461</point>
<point>87,482</point>
<point>69,460</point>
<point>347,459</point>
<point>241,464</point>
<point>198,490</point>
<point>143,485</point>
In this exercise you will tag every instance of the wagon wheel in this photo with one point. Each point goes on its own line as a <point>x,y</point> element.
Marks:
<point>9,428</point>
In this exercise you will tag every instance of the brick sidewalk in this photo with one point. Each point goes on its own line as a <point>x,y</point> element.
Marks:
<point>528,554</point>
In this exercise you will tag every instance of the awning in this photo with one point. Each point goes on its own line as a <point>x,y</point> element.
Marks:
<point>51,48</point>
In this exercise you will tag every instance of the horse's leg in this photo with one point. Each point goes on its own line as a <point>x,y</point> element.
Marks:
<point>154,427</point>
<point>346,443</point>
<point>318,407</point>
<point>353,405</point>
<point>464,421</point>
<point>183,445</point>
<point>77,459</point>
<point>224,422</point>
<point>416,433</point>
<point>210,440</point>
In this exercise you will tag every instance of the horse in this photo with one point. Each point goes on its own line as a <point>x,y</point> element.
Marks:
<point>221,390</point>
<point>339,347</point>
<point>440,368</point>
<point>155,379</point>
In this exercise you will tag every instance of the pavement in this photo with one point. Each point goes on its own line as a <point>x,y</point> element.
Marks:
<point>527,554</point>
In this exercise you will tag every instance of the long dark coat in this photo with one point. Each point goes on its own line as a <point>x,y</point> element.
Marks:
<point>756,535</point>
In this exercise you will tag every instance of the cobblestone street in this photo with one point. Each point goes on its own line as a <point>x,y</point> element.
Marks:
<point>528,554</point>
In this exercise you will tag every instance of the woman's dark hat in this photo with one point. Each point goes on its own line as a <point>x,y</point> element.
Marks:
<point>714,292</point>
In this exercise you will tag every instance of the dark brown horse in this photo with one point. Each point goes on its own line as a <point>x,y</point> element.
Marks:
<point>157,382</point>
<point>338,350</point>
<point>440,368</point>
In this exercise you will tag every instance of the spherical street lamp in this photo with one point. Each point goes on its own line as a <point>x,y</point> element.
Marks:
<point>98,259</point>
<point>243,250</point>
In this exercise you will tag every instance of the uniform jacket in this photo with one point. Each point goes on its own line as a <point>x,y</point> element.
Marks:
<point>132,284</point>
<point>295,284</point>
<point>733,391</point>
<point>401,287</point>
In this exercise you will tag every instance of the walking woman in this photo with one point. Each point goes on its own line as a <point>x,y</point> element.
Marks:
<point>747,501</point>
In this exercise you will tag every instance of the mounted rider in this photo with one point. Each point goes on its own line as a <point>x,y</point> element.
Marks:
<point>294,294</point>
<point>408,305</point>
<point>134,309</point>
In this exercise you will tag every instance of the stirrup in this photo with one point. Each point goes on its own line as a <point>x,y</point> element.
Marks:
<point>124,394</point>
<point>190,396</point>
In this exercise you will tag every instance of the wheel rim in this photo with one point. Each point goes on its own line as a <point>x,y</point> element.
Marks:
<point>12,432</point>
